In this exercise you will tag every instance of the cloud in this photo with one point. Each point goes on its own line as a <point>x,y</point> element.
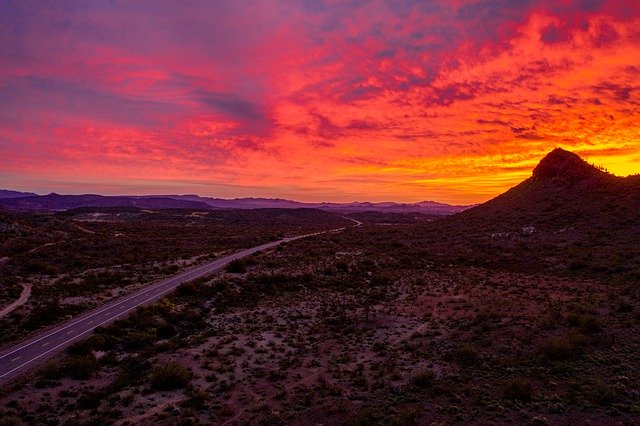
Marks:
<point>280,94</point>
<point>66,101</point>
<point>252,115</point>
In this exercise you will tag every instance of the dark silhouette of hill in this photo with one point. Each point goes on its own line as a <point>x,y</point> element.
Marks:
<point>30,201</point>
<point>563,191</point>
<point>424,207</point>
<point>5,193</point>
<point>64,202</point>
<point>569,217</point>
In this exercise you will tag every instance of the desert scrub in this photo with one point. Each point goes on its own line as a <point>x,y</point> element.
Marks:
<point>423,378</point>
<point>10,421</point>
<point>587,322</point>
<point>237,266</point>
<point>517,389</point>
<point>465,354</point>
<point>563,348</point>
<point>169,376</point>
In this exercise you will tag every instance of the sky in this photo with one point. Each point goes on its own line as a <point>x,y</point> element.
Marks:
<point>313,100</point>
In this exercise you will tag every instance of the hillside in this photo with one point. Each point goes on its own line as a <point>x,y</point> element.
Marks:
<point>563,191</point>
<point>30,201</point>
<point>63,202</point>
<point>568,218</point>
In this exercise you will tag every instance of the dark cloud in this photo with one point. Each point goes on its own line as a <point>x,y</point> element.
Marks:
<point>455,92</point>
<point>532,136</point>
<point>496,122</point>
<point>325,128</point>
<point>589,5</point>
<point>234,107</point>
<point>615,91</point>
<point>322,143</point>
<point>561,100</point>
<point>494,17</point>
<point>247,143</point>
<point>73,100</point>
<point>553,34</point>
<point>365,125</point>
<point>606,35</point>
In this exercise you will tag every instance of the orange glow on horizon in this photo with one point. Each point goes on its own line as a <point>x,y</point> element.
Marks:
<point>386,106</point>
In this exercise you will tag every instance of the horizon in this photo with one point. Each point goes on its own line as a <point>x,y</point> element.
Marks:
<point>276,198</point>
<point>313,101</point>
<point>231,199</point>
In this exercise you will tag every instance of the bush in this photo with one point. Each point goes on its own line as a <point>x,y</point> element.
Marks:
<point>465,354</point>
<point>602,394</point>
<point>139,340</point>
<point>237,266</point>
<point>587,322</point>
<point>187,289</point>
<point>52,370</point>
<point>81,367</point>
<point>563,348</point>
<point>342,266</point>
<point>10,421</point>
<point>170,376</point>
<point>423,379</point>
<point>518,389</point>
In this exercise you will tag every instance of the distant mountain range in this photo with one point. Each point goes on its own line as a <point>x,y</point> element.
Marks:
<point>4,193</point>
<point>30,201</point>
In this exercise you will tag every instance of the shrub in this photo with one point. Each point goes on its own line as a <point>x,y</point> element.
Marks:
<point>187,289</point>
<point>366,416</point>
<point>342,266</point>
<point>381,279</point>
<point>170,376</point>
<point>587,322</point>
<point>52,370</point>
<point>81,367</point>
<point>423,379</point>
<point>10,421</point>
<point>563,348</point>
<point>603,394</point>
<point>139,340</point>
<point>518,389</point>
<point>465,354</point>
<point>237,266</point>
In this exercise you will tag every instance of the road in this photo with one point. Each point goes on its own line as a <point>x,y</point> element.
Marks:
<point>30,353</point>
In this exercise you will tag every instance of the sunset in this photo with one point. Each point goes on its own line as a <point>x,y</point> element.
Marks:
<point>453,101</point>
<point>319,212</point>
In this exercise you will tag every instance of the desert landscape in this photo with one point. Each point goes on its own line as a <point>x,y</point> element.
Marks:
<point>320,212</point>
<point>514,311</point>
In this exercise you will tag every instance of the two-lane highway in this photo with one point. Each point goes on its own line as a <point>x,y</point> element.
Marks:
<point>27,354</point>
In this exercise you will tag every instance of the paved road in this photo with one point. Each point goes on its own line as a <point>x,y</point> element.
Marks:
<point>28,354</point>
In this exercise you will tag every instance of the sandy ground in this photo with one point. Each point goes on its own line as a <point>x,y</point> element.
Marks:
<point>24,296</point>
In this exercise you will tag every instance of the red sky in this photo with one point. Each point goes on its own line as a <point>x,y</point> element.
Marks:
<point>313,100</point>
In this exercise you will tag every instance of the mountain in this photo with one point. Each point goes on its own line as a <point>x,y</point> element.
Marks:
<point>425,207</point>
<point>54,201</point>
<point>4,193</point>
<point>64,202</point>
<point>564,191</point>
<point>569,217</point>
